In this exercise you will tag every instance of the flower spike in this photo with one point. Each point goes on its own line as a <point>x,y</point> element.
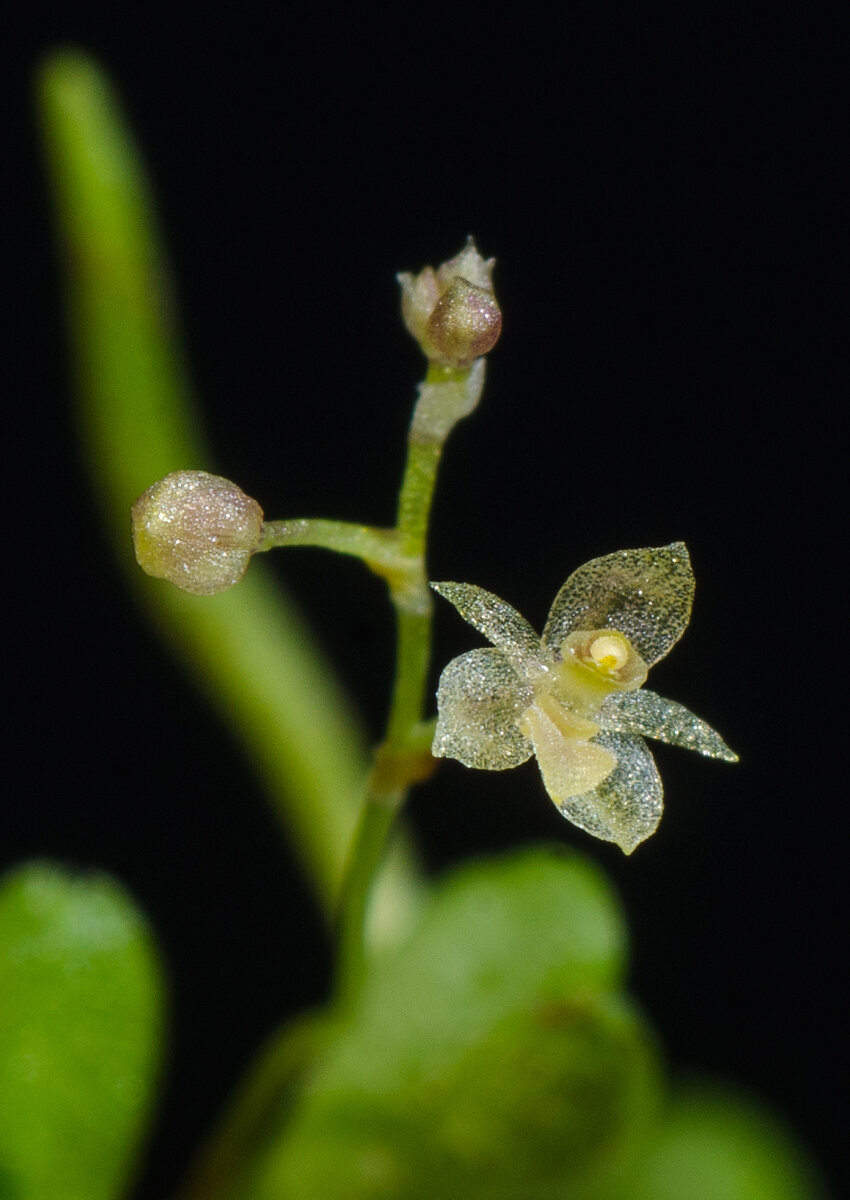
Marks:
<point>573,698</point>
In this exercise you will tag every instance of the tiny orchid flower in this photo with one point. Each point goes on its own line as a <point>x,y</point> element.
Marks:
<point>574,697</point>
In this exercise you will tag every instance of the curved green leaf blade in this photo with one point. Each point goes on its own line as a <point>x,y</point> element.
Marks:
<point>490,1057</point>
<point>248,649</point>
<point>81,1000</point>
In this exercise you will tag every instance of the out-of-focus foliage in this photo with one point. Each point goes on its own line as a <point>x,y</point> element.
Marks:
<point>492,1056</point>
<point>81,1004</point>
<point>715,1144</point>
<point>496,1057</point>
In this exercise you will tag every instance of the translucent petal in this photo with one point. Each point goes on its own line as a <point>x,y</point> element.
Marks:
<point>645,594</point>
<point>654,716</point>
<point>569,765</point>
<point>626,806</point>
<point>480,701</point>
<point>491,616</point>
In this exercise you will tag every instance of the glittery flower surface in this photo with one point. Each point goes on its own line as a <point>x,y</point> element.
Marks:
<point>574,697</point>
<point>452,311</point>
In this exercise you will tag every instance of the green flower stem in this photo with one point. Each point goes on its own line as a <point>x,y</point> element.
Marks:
<point>367,854</point>
<point>414,654</point>
<point>403,759</point>
<point>444,398</point>
<point>379,548</point>
<point>414,510</point>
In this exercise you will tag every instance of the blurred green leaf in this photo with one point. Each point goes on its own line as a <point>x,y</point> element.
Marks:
<point>248,648</point>
<point>717,1145</point>
<point>81,1000</point>
<point>489,1058</point>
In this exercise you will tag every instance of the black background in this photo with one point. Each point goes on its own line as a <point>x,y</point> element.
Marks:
<point>656,189</point>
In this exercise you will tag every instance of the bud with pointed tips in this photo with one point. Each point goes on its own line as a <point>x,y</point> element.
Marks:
<point>196,530</point>
<point>452,311</point>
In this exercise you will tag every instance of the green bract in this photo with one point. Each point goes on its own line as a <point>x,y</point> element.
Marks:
<point>573,697</point>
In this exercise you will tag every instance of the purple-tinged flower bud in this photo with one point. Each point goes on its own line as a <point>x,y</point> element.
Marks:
<point>452,311</point>
<point>196,530</point>
<point>465,324</point>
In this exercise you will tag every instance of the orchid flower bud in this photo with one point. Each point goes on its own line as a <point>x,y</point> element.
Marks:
<point>452,311</point>
<point>196,530</point>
